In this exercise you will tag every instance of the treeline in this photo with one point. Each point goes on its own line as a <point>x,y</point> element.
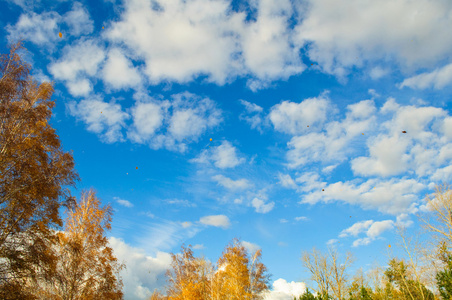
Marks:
<point>425,273</point>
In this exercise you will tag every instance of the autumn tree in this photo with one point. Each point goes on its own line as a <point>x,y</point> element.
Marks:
<point>237,276</point>
<point>328,271</point>
<point>189,277</point>
<point>406,283</point>
<point>34,170</point>
<point>86,268</point>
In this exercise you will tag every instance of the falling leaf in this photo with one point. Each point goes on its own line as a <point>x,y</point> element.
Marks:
<point>100,112</point>
<point>127,173</point>
<point>102,27</point>
<point>308,125</point>
<point>323,190</point>
<point>362,133</point>
<point>60,34</point>
<point>404,131</point>
<point>136,168</point>
<point>211,139</point>
<point>389,246</point>
<point>312,64</point>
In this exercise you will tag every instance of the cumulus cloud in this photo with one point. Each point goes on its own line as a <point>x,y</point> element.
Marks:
<point>339,40</point>
<point>147,119</point>
<point>356,228</point>
<point>230,184</point>
<point>180,41</point>
<point>186,117</point>
<point>143,273</point>
<point>78,63</point>
<point>393,196</point>
<point>118,71</point>
<point>393,152</point>
<point>331,145</point>
<point>283,290</point>
<point>106,119</point>
<point>40,29</point>
<point>293,118</point>
<point>371,228</point>
<point>223,156</point>
<point>79,20</point>
<point>438,79</point>
<point>216,221</point>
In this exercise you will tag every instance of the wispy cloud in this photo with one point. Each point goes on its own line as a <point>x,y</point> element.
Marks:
<point>123,202</point>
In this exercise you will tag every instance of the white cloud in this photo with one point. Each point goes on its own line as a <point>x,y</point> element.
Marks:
<point>147,119</point>
<point>387,157</point>
<point>123,202</point>
<point>251,107</point>
<point>118,71</point>
<point>198,246</point>
<point>78,20</point>
<point>181,40</point>
<point>331,145</point>
<point>356,228</point>
<point>251,247</point>
<point>186,118</point>
<point>331,242</point>
<point>267,49</point>
<point>253,115</point>
<point>438,79</point>
<point>262,207</point>
<point>377,228</point>
<point>216,220</point>
<point>180,202</point>
<point>223,156</point>
<point>294,118</point>
<point>106,119</point>
<point>283,220</point>
<point>230,184</point>
<point>286,181</point>
<point>378,72</point>
<point>283,290</point>
<point>79,61</point>
<point>371,228</point>
<point>394,196</point>
<point>302,218</point>
<point>339,39</point>
<point>143,273</point>
<point>41,29</point>
<point>393,152</point>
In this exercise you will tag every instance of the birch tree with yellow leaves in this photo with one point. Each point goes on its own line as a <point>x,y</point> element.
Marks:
<point>238,276</point>
<point>86,268</point>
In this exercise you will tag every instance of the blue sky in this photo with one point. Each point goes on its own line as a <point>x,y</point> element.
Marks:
<point>279,122</point>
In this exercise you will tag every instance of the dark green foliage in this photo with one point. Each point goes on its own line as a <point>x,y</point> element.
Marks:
<point>444,279</point>
<point>307,295</point>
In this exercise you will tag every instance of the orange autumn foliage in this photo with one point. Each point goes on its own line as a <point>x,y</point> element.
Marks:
<point>237,276</point>
<point>33,172</point>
